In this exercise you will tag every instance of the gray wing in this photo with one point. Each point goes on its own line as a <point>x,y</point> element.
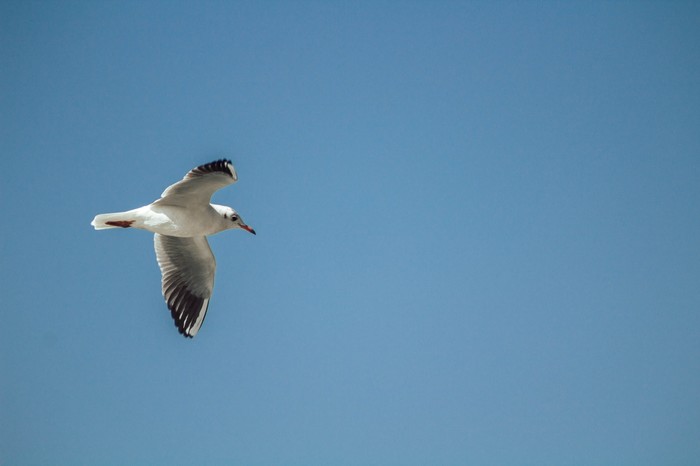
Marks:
<point>199,184</point>
<point>188,267</point>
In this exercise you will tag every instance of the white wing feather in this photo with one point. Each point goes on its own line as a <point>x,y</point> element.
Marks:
<point>197,187</point>
<point>188,267</point>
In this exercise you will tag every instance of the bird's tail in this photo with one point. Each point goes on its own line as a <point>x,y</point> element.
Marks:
<point>115,220</point>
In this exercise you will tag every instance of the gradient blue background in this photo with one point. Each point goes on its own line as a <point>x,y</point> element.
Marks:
<point>478,233</point>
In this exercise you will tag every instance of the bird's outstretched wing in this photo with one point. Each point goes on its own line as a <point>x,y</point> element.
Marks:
<point>188,267</point>
<point>197,187</point>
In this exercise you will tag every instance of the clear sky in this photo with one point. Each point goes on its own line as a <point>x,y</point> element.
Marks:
<point>478,233</point>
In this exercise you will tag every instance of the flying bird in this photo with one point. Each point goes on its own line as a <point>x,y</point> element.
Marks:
<point>182,219</point>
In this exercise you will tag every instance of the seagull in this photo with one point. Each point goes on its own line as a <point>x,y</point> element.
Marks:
<point>182,219</point>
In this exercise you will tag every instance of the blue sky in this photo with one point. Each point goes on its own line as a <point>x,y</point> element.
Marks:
<point>477,233</point>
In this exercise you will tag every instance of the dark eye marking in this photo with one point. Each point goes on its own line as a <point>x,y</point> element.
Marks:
<point>233,218</point>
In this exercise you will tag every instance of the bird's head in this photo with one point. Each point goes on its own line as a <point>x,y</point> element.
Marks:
<point>232,219</point>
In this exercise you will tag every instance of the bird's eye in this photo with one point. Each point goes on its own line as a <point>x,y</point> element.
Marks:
<point>233,218</point>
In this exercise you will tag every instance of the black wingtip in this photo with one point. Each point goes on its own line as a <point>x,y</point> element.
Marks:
<point>186,307</point>
<point>181,330</point>
<point>221,165</point>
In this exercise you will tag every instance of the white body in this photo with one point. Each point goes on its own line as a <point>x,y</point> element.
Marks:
<point>184,222</point>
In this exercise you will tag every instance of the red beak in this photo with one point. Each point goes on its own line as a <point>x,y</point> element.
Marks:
<point>248,229</point>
